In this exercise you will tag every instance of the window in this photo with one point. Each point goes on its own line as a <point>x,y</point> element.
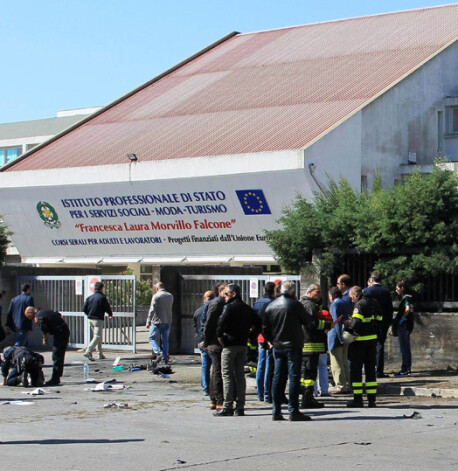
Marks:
<point>451,124</point>
<point>30,146</point>
<point>455,120</point>
<point>146,273</point>
<point>7,154</point>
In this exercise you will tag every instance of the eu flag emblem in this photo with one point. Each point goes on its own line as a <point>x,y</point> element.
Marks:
<point>253,202</point>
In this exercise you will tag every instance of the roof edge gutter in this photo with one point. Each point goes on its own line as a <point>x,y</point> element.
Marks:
<point>121,99</point>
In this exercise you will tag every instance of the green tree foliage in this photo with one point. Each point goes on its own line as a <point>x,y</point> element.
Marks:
<point>143,291</point>
<point>4,240</point>
<point>411,228</point>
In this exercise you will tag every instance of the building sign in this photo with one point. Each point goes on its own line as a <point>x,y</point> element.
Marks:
<point>79,286</point>
<point>198,216</point>
<point>254,287</point>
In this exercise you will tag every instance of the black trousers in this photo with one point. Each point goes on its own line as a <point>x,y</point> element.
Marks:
<point>309,369</point>
<point>58,354</point>
<point>363,354</point>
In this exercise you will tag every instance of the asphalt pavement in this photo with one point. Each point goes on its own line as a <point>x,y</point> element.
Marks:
<point>167,424</point>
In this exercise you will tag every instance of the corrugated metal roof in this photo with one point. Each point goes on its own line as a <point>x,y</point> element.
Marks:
<point>255,92</point>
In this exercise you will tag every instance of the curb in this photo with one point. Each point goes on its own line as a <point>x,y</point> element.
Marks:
<point>421,392</point>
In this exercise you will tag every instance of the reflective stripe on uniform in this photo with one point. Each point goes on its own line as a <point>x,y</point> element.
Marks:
<point>371,387</point>
<point>380,318</point>
<point>252,369</point>
<point>367,337</point>
<point>363,319</point>
<point>313,347</point>
<point>321,324</point>
<point>252,347</point>
<point>307,382</point>
<point>357,388</point>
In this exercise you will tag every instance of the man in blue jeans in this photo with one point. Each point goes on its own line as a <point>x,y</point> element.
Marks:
<point>204,355</point>
<point>264,371</point>
<point>282,329</point>
<point>160,320</point>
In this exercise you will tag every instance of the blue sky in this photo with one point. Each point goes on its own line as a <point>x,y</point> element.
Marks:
<point>63,54</point>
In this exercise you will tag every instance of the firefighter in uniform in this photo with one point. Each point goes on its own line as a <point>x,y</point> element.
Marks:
<point>314,344</point>
<point>362,352</point>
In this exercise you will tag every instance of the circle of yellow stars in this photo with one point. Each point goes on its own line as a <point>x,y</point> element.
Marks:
<point>245,201</point>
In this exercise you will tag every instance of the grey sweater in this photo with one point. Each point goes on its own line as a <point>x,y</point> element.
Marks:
<point>160,311</point>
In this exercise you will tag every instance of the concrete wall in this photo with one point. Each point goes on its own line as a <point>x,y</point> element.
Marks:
<point>405,119</point>
<point>433,341</point>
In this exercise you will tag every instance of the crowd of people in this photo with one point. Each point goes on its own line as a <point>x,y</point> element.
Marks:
<point>294,337</point>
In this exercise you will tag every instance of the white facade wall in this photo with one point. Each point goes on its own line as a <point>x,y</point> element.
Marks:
<point>336,154</point>
<point>410,117</point>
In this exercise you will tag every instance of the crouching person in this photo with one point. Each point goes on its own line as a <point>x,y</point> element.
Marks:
<point>52,323</point>
<point>18,363</point>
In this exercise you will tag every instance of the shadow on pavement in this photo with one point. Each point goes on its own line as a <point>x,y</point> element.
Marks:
<point>412,406</point>
<point>69,441</point>
<point>361,417</point>
<point>29,398</point>
<point>412,382</point>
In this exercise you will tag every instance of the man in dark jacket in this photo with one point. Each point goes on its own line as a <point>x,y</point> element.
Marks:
<point>52,323</point>
<point>282,328</point>
<point>95,308</point>
<point>204,356</point>
<point>344,283</point>
<point>233,329</point>
<point>314,344</point>
<point>383,297</point>
<point>20,362</point>
<point>16,320</point>
<point>215,349</point>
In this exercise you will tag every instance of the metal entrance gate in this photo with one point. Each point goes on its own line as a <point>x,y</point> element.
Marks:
<point>194,286</point>
<point>66,294</point>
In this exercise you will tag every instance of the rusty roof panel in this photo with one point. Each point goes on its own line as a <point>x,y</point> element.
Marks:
<point>255,92</point>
